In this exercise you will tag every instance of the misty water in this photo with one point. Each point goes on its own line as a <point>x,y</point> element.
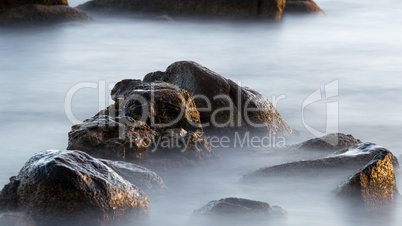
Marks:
<point>356,43</point>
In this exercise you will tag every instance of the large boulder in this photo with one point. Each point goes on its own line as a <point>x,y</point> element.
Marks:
<point>39,11</point>
<point>142,177</point>
<point>302,7</point>
<point>195,8</point>
<point>237,211</point>
<point>345,161</point>
<point>222,103</point>
<point>71,187</point>
<point>374,185</point>
<point>147,121</point>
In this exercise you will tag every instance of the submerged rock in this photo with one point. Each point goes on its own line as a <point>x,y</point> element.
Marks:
<point>148,121</point>
<point>302,6</point>
<point>328,144</point>
<point>39,11</point>
<point>236,211</point>
<point>142,177</point>
<point>194,8</point>
<point>348,160</point>
<point>69,187</point>
<point>374,185</point>
<point>225,100</point>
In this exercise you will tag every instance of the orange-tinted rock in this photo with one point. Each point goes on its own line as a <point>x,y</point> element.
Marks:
<point>374,185</point>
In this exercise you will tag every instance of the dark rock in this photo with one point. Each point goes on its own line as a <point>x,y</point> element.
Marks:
<point>328,144</point>
<point>142,177</point>
<point>16,219</point>
<point>69,187</point>
<point>9,4</point>
<point>236,211</point>
<point>374,185</point>
<point>347,161</point>
<point>301,6</point>
<point>148,121</point>
<point>39,12</point>
<point>8,196</point>
<point>194,8</point>
<point>229,107</point>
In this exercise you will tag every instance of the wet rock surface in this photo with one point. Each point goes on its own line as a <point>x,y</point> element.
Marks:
<point>227,101</point>
<point>201,8</point>
<point>148,121</point>
<point>39,12</point>
<point>71,187</point>
<point>142,177</point>
<point>237,211</point>
<point>345,161</point>
<point>302,7</point>
<point>374,185</point>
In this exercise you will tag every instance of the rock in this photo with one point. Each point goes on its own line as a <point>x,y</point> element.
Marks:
<point>348,160</point>
<point>16,219</point>
<point>8,196</point>
<point>142,177</point>
<point>226,113</point>
<point>70,187</point>
<point>374,185</point>
<point>236,211</point>
<point>301,6</point>
<point>328,144</point>
<point>148,121</point>
<point>39,11</point>
<point>9,4</point>
<point>193,8</point>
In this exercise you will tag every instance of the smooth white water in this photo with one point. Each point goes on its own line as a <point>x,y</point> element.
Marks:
<point>356,43</point>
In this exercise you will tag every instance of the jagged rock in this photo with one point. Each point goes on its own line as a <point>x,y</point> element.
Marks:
<point>39,11</point>
<point>236,211</point>
<point>374,185</point>
<point>194,8</point>
<point>70,188</point>
<point>302,6</point>
<point>147,121</point>
<point>228,101</point>
<point>142,177</point>
<point>348,160</point>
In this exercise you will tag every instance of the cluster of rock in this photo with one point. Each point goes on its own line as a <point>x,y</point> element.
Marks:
<point>163,118</point>
<point>250,9</point>
<point>163,121</point>
<point>39,11</point>
<point>57,11</point>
